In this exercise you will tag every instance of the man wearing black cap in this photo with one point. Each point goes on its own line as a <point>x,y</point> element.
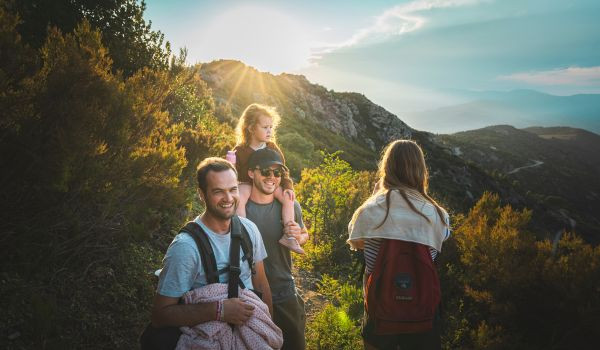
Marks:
<point>266,169</point>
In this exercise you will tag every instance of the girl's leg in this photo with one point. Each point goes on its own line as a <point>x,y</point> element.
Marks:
<point>287,206</point>
<point>245,190</point>
<point>287,217</point>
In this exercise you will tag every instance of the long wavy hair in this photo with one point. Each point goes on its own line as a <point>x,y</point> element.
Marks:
<point>250,117</point>
<point>402,167</point>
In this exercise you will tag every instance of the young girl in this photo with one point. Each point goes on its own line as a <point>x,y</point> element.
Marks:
<point>256,130</point>
<point>400,209</point>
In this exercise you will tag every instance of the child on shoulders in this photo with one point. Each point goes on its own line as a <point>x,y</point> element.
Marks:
<point>256,130</point>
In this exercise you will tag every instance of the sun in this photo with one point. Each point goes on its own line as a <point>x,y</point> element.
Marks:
<point>261,37</point>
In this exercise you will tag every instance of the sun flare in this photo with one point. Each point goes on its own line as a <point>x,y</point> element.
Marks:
<point>264,38</point>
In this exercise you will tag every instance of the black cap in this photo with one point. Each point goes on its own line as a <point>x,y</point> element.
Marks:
<point>264,158</point>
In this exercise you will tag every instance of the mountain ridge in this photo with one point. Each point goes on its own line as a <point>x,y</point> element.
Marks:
<point>315,118</point>
<point>521,108</point>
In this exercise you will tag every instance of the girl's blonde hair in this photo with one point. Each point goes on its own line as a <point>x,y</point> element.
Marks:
<point>250,117</point>
<point>402,166</point>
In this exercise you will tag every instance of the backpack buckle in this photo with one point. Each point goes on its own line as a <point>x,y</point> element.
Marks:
<point>235,269</point>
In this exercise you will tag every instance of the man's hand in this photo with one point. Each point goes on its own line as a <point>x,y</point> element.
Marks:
<point>237,311</point>
<point>292,229</point>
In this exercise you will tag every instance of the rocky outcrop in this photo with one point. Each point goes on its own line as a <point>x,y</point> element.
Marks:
<point>349,114</point>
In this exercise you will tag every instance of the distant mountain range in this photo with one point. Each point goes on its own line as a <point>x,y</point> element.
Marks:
<point>553,171</point>
<point>520,108</point>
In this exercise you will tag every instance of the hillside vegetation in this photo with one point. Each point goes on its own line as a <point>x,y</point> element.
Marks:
<point>102,129</point>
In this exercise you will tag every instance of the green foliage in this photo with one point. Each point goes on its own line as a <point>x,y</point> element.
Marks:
<point>104,307</point>
<point>505,290</point>
<point>317,256</point>
<point>129,39</point>
<point>190,103</point>
<point>98,141</point>
<point>93,164</point>
<point>329,195</point>
<point>299,152</point>
<point>338,324</point>
<point>332,328</point>
<point>345,296</point>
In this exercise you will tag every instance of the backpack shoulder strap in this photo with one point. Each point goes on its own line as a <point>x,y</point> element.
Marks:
<point>247,248</point>
<point>234,257</point>
<point>207,255</point>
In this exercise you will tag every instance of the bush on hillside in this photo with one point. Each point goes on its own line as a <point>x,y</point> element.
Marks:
<point>93,167</point>
<point>504,289</point>
<point>329,195</point>
<point>338,324</point>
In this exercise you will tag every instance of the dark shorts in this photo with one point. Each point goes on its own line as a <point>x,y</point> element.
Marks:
<point>290,317</point>
<point>417,341</point>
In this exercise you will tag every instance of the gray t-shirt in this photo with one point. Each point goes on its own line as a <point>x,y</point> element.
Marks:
<point>182,267</point>
<point>278,266</point>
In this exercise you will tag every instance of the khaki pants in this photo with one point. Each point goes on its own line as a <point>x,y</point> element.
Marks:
<point>290,317</point>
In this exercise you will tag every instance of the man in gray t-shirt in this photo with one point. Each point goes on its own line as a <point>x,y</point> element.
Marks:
<point>265,169</point>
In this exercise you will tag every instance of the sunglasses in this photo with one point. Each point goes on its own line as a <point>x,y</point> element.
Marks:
<point>268,171</point>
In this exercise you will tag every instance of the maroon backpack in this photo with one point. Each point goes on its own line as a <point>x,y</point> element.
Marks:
<point>403,291</point>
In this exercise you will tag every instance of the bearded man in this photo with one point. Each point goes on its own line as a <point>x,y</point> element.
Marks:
<point>182,265</point>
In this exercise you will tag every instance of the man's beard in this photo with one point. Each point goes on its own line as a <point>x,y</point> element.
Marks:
<point>261,188</point>
<point>217,212</point>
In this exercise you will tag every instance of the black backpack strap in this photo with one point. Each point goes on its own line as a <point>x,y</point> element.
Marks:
<point>234,257</point>
<point>239,237</point>
<point>207,254</point>
<point>247,248</point>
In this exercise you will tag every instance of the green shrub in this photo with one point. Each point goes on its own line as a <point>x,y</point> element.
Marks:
<point>329,194</point>
<point>345,296</point>
<point>332,328</point>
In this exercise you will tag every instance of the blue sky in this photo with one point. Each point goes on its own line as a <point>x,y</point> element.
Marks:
<point>403,55</point>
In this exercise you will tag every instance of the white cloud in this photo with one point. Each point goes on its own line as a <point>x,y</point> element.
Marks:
<point>395,21</point>
<point>574,76</point>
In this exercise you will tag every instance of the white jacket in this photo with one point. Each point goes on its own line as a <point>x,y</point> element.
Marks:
<point>402,222</point>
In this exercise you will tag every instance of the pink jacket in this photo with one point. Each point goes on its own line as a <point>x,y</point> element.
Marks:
<point>258,333</point>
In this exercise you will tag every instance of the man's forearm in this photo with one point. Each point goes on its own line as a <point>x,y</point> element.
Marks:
<point>184,315</point>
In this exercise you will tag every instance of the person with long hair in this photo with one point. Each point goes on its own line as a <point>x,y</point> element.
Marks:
<point>400,209</point>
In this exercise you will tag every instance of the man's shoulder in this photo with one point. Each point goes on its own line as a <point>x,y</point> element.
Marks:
<point>250,226</point>
<point>255,237</point>
<point>183,240</point>
<point>183,247</point>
